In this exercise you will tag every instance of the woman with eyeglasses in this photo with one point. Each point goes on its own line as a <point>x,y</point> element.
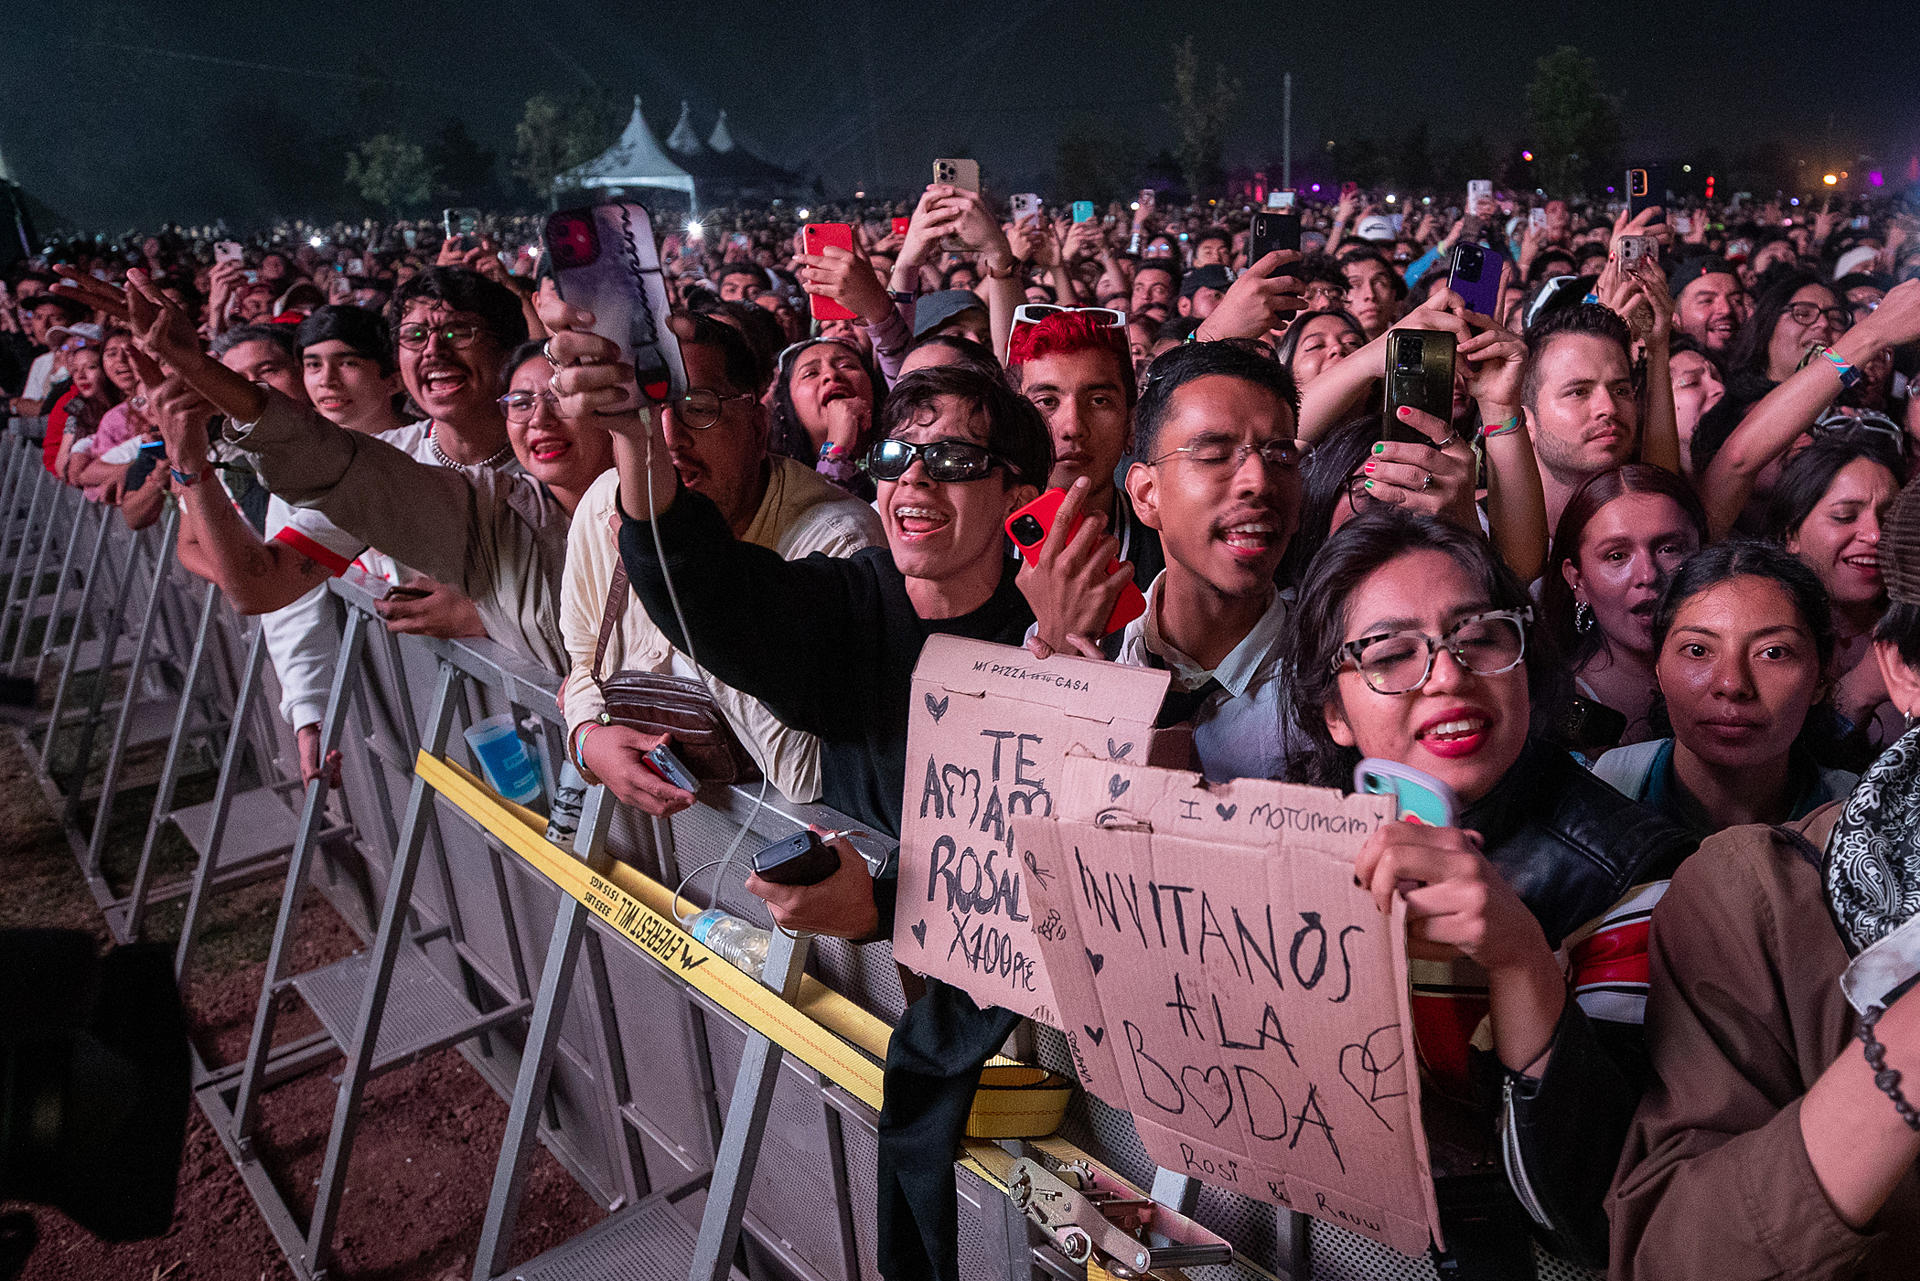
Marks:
<point>1415,645</point>
<point>1620,537</point>
<point>1745,469</point>
<point>1826,509</point>
<point>825,401</point>
<point>1742,638</point>
<point>1794,314</point>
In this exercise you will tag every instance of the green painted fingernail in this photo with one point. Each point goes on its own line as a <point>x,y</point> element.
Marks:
<point>1380,447</point>
<point>1369,484</point>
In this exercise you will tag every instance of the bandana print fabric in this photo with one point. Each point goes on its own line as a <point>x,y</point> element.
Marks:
<point>1873,857</point>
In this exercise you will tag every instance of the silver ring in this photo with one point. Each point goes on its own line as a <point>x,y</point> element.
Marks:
<point>546,349</point>
<point>138,402</point>
<point>1427,484</point>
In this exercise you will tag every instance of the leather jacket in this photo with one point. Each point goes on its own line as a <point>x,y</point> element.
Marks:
<point>1572,847</point>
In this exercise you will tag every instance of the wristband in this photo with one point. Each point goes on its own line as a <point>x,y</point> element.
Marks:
<point>578,740</point>
<point>1505,427</point>
<point>1848,374</point>
<point>189,478</point>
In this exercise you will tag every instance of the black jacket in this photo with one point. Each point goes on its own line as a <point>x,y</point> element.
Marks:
<point>1571,847</point>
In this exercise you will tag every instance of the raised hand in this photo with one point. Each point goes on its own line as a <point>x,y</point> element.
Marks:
<point>1258,302</point>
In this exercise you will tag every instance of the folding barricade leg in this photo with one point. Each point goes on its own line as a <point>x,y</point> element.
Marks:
<point>93,587</point>
<point>380,964</point>
<point>130,703</point>
<point>13,477</point>
<point>59,523</point>
<point>49,639</point>
<point>38,531</point>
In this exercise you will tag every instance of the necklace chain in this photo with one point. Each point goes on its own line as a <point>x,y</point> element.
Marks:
<point>497,457</point>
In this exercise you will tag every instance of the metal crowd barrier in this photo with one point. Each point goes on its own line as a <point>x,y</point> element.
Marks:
<point>715,1153</point>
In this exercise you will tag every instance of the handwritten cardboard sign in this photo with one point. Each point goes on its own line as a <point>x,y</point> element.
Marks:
<point>987,733</point>
<point>1220,976</point>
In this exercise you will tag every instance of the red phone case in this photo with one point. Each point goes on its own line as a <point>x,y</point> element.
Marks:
<point>1039,515</point>
<point>816,236</point>
<point>900,226</point>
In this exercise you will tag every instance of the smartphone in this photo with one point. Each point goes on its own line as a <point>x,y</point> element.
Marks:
<point>356,267</point>
<point>1635,249</point>
<point>1418,796</point>
<point>663,762</point>
<point>900,226</point>
<point>228,251</point>
<point>1645,189</point>
<point>410,237</point>
<point>1478,189</point>
<point>1273,230</point>
<point>1476,277</point>
<point>459,222</point>
<point>1025,204</point>
<point>801,859</point>
<point>1029,526</point>
<point>814,237</point>
<point>1859,222</point>
<point>406,593</point>
<point>602,259</point>
<point>1420,375</point>
<point>964,174</point>
<point>1682,223</point>
<point>1537,219</point>
<point>1083,211</point>
<point>1349,189</point>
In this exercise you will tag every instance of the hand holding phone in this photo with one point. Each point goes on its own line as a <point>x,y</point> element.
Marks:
<point>1420,376</point>
<point>1271,230</point>
<point>603,261</point>
<point>1418,796</point>
<point>800,859</point>
<point>1032,528</point>
<point>228,251</point>
<point>1476,277</point>
<point>816,237</point>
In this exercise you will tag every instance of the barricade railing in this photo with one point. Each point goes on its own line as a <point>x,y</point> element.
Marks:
<point>720,1131</point>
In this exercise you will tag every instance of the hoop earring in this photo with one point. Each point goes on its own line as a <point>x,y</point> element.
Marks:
<point>1582,617</point>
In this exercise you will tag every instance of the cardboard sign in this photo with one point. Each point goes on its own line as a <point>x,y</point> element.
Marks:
<point>1220,976</point>
<point>988,731</point>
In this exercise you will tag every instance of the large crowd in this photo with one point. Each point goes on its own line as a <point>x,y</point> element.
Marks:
<point>1644,596</point>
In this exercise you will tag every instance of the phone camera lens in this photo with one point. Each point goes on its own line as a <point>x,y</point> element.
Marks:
<point>1026,531</point>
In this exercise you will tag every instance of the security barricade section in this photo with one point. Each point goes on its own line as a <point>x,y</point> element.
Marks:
<point>726,1123</point>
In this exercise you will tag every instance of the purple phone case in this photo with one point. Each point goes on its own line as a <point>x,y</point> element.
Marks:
<point>1482,295</point>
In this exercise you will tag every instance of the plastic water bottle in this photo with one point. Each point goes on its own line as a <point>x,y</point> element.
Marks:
<point>741,945</point>
<point>504,759</point>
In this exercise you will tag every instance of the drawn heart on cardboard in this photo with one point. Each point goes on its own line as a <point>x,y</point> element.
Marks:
<point>1226,812</point>
<point>938,706</point>
<point>1116,785</point>
<point>919,929</point>
<point>1094,1034</point>
<point>1095,959</point>
<point>1364,1070</point>
<point>1215,1101</point>
<point>1118,753</point>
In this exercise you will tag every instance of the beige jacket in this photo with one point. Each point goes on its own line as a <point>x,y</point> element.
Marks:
<point>801,514</point>
<point>498,537</point>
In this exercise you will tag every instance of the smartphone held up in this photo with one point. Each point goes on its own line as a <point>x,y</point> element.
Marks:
<point>816,237</point>
<point>603,260</point>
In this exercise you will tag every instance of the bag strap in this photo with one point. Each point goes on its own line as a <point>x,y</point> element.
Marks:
<point>610,617</point>
<point>1801,846</point>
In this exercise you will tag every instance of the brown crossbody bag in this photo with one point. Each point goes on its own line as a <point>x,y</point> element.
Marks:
<point>657,703</point>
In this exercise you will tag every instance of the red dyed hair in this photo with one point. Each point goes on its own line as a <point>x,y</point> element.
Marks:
<point>1066,332</point>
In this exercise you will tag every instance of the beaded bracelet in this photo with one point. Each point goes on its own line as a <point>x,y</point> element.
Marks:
<point>1505,427</point>
<point>1886,1079</point>
<point>578,741</point>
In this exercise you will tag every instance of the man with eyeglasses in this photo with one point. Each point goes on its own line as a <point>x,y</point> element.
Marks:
<point>716,437</point>
<point>451,329</point>
<point>1219,479</point>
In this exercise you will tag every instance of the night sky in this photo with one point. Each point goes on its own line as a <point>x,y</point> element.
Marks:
<point>119,114</point>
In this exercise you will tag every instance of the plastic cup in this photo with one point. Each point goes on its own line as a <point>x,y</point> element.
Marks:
<point>504,759</point>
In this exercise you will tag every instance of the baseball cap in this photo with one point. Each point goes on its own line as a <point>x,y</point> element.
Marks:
<point>84,330</point>
<point>1210,277</point>
<point>1858,258</point>
<point>1374,227</point>
<point>1688,270</point>
<point>930,311</point>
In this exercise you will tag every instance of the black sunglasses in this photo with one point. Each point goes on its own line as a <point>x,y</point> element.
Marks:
<point>944,460</point>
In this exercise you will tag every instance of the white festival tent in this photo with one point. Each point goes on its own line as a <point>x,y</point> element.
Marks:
<point>636,160</point>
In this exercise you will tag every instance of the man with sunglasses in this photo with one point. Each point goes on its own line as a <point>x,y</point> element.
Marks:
<point>716,437</point>
<point>1218,478</point>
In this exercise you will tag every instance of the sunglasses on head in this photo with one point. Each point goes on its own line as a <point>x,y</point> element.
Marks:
<point>945,459</point>
<point>1032,313</point>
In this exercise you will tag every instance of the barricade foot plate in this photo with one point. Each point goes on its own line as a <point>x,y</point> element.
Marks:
<point>424,1010</point>
<point>650,1240</point>
<point>260,825</point>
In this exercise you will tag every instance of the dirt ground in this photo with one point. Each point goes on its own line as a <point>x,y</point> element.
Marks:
<point>423,1162</point>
